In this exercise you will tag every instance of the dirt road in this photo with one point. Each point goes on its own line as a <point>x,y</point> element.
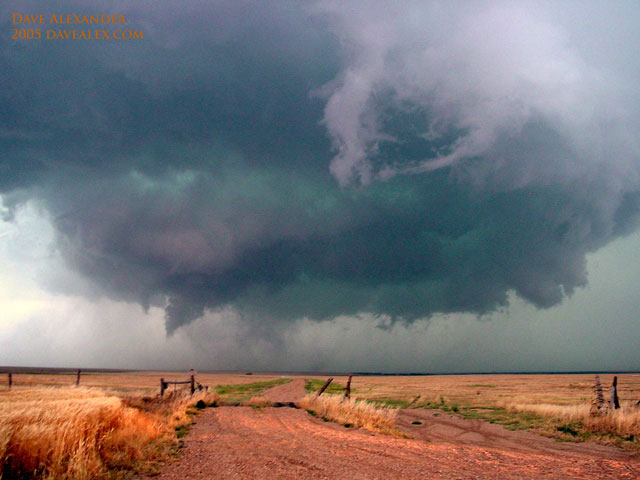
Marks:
<point>286,443</point>
<point>287,393</point>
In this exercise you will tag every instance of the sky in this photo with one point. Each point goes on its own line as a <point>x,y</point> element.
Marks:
<point>432,186</point>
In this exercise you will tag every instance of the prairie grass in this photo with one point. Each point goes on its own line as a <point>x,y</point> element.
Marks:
<point>59,431</point>
<point>564,413</point>
<point>492,389</point>
<point>71,433</point>
<point>176,408</point>
<point>85,433</point>
<point>52,429</point>
<point>258,402</point>
<point>135,382</point>
<point>576,419</point>
<point>351,412</point>
<point>553,404</point>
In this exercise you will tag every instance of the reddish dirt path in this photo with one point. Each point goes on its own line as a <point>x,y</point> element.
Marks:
<point>289,392</point>
<point>285,443</point>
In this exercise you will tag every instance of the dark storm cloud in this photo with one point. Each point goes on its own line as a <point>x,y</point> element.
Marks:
<point>323,159</point>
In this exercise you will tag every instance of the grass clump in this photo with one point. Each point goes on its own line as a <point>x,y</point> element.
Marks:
<point>258,402</point>
<point>618,426</point>
<point>87,433</point>
<point>391,402</point>
<point>569,428</point>
<point>181,430</point>
<point>352,412</point>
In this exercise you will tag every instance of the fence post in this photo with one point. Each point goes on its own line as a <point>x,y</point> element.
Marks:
<point>78,377</point>
<point>10,380</point>
<point>597,403</point>
<point>193,386</point>
<point>615,403</point>
<point>347,390</point>
<point>324,387</point>
<point>163,386</point>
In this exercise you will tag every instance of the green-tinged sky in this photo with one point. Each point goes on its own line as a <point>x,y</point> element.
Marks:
<point>426,187</point>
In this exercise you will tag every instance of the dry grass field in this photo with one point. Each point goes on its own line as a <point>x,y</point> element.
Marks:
<point>108,427</point>
<point>555,405</point>
<point>113,424</point>
<point>85,433</point>
<point>351,412</point>
<point>144,382</point>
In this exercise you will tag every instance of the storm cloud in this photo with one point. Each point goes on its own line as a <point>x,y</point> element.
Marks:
<point>319,159</point>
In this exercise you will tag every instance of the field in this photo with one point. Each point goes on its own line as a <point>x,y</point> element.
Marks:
<point>111,425</point>
<point>114,425</point>
<point>554,405</point>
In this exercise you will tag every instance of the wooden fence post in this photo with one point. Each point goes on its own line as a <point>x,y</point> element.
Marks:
<point>615,403</point>
<point>598,402</point>
<point>347,390</point>
<point>193,385</point>
<point>78,377</point>
<point>324,387</point>
<point>163,387</point>
<point>10,380</point>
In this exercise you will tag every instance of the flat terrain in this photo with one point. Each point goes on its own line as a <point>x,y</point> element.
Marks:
<point>287,443</point>
<point>458,426</point>
<point>561,389</point>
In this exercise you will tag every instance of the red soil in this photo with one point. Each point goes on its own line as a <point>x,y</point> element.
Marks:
<point>285,443</point>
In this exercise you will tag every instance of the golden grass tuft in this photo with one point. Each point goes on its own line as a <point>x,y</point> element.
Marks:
<point>85,433</point>
<point>356,413</point>
<point>258,402</point>
<point>71,433</point>
<point>564,413</point>
<point>624,422</point>
<point>176,408</point>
